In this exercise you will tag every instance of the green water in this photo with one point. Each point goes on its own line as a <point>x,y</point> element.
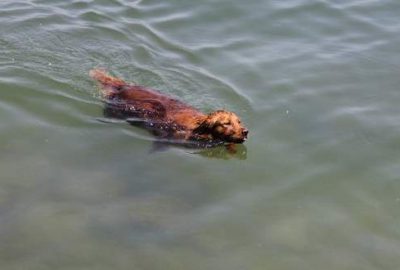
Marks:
<point>316,186</point>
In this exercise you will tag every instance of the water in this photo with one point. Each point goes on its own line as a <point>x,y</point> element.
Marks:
<point>315,187</point>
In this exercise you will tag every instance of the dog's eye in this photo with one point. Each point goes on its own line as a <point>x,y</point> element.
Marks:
<point>219,129</point>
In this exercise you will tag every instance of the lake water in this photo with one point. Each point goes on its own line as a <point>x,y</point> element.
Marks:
<point>316,186</point>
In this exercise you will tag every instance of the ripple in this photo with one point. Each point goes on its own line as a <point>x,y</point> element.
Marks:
<point>175,18</point>
<point>355,3</point>
<point>95,17</point>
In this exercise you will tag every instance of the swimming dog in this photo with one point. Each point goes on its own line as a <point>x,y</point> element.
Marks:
<point>166,117</point>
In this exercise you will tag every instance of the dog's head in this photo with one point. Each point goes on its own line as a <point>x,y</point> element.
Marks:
<point>223,125</point>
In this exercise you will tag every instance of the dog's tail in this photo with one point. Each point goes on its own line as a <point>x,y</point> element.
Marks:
<point>105,79</point>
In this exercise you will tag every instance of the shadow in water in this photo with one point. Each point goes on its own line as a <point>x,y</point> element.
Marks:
<point>222,152</point>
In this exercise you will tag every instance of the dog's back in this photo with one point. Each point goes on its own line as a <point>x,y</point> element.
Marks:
<point>124,100</point>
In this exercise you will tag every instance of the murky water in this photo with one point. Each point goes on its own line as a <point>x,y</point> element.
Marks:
<point>315,187</point>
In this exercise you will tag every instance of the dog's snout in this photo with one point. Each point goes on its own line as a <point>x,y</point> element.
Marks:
<point>245,132</point>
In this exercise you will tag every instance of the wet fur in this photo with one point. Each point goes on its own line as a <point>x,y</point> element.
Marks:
<point>166,117</point>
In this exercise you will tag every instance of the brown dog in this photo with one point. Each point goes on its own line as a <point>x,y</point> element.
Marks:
<point>166,117</point>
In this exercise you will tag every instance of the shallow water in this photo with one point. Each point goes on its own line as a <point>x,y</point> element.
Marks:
<point>316,186</point>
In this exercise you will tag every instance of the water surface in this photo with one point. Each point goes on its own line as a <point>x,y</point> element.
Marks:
<point>315,187</point>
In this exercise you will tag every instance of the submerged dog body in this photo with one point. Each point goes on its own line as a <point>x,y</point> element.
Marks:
<point>167,117</point>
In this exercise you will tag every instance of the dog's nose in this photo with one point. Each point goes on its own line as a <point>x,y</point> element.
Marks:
<point>245,132</point>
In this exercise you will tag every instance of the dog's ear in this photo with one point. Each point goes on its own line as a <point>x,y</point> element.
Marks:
<point>205,126</point>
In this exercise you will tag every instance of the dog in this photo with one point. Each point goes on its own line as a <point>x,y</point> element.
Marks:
<point>167,118</point>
